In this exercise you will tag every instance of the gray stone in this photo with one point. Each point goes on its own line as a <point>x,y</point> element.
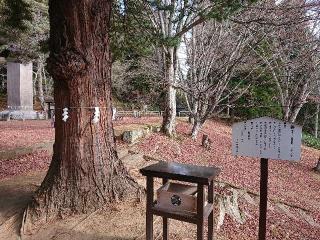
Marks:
<point>20,92</point>
<point>132,136</point>
<point>20,115</point>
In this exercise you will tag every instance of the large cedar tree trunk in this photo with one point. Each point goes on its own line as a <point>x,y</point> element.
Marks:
<point>169,115</point>
<point>85,172</point>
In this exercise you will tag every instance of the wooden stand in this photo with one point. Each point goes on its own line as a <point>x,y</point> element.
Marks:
<point>202,176</point>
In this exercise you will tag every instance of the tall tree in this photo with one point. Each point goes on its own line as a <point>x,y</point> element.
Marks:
<point>137,81</point>
<point>85,172</point>
<point>24,28</point>
<point>217,52</point>
<point>128,38</point>
<point>290,53</point>
<point>169,21</point>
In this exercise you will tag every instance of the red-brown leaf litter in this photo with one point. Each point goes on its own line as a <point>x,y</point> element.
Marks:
<point>24,164</point>
<point>292,183</point>
<point>15,134</point>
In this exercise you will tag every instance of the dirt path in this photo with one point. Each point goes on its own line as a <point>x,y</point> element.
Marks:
<point>124,220</point>
<point>15,193</point>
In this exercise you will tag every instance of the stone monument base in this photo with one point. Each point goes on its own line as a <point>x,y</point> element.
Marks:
<point>20,115</point>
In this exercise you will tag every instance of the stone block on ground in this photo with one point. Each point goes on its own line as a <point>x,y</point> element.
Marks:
<point>20,115</point>
<point>132,136</point>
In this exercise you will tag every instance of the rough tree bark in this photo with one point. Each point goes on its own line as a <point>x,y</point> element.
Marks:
<point>85,172</point>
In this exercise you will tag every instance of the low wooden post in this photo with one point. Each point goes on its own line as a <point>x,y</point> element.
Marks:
<point>210,217</point>
<point>206,142</point>
<point>263,198</point>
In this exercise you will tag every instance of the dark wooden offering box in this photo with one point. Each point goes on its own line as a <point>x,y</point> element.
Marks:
<point>177,197</point>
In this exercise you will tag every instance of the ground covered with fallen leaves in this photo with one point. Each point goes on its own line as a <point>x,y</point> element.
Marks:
<point>18,135</point>
<point>294,183</point>
<point>15,134</point>
<point>294,188</point>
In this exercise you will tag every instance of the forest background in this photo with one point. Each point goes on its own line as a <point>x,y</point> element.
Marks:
<point>228,61</point>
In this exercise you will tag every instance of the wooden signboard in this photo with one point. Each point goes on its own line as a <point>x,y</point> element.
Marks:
<point>266,138</point>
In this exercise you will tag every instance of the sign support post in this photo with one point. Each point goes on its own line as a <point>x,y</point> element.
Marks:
<point>266,138</point>
<point>263,198</point>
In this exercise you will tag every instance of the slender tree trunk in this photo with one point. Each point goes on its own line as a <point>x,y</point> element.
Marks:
<point>228,107</point>
<point>316,122</point>
<point>169,115</point>
<point>85,172</point>
<point>45,82</point>
<point>34,84</point>
<point>286,113</point>
<point>294,113</point>
<point>40,82</point>
<point>192,107</point>
<point>196,128</point>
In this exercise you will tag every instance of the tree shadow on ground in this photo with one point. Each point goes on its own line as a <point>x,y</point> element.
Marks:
<point>15,194</point>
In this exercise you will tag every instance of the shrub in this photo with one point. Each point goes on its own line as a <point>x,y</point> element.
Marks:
<point>310,141</point>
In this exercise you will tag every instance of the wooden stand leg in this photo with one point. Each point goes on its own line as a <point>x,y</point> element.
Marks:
<point>165,220</point>
<point>149,215</point>
<point>165,228</point>
<point>210,217</point>
<point>200,202</point>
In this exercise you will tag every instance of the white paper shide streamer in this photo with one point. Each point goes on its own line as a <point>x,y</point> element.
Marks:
<point>96,116</point>
<point>65,114</point>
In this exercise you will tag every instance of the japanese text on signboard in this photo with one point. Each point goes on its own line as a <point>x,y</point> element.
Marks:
<point>266,138</point>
